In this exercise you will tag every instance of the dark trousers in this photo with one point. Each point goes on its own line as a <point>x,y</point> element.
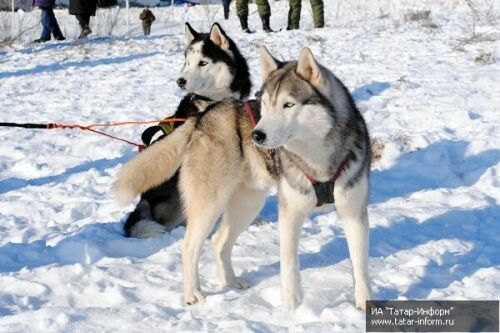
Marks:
<point>50,25</point>
<point>225,4</point>
<point>146,27</point>
<point>226,11</point>
<point>83,20</point>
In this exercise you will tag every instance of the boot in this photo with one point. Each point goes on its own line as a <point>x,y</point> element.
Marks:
<point>244,25</point>
<point>85,32</point>
<point>40,40</point>
<point>289,21</point>
<point>265,24</point>
<point>57,33</point>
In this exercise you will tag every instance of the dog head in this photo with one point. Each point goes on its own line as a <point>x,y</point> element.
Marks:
<point>209,62</point>
<point>294,103</point>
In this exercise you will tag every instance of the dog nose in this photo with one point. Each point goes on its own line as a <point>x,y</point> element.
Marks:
<point>258,136</point>
<point>181,82</point>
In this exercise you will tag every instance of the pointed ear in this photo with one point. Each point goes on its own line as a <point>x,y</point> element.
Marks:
<point>268,62</point>
<point>308,68</point>
<point>191,34</point>
<point>218,37</point>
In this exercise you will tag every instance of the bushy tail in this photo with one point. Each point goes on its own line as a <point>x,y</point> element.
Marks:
<point>154,165</point>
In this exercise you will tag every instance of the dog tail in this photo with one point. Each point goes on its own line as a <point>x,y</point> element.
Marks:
<point>154,165</point>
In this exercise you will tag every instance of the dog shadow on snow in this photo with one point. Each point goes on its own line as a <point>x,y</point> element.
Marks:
<point>369,90</point>
<point>446,165</point>
<point>12,184</point>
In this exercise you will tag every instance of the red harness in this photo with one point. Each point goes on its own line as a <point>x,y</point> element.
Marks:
<point>324,190</point>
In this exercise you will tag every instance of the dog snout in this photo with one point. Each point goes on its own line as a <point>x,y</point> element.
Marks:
<point>181,82</point>
<point>258,136</point>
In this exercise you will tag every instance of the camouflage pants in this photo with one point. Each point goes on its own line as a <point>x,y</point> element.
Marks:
<point>294,13</point>
<point>262,6</point>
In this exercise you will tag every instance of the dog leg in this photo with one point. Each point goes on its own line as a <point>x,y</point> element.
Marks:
<point>243,207</point>
<point>351,208</point>
<point>294,207</point>
<point>197,229</point>
<point>204,201</point>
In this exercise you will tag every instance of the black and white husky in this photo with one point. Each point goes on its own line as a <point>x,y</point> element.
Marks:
<point>311,142</point>
<point>214,68</point>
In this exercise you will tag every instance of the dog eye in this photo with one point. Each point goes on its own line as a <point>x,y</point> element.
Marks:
<point>202,63</point>
<point>288,105</point>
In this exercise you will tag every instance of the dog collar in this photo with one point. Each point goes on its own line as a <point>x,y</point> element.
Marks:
<point>250,113</point>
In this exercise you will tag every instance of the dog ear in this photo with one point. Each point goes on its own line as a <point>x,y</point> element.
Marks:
<point>191,34</point>
<point>218,37</point>
<point>268,62</point>
<point>308,68</point>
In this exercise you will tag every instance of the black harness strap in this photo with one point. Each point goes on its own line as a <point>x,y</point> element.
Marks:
<point>324,190</point>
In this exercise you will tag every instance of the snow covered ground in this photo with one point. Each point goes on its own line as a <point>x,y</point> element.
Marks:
<point>65,265</point>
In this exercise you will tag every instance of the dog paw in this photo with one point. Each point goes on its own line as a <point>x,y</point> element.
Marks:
<point>292,300</point>
<point>196,297</point>
<point>361,295</point>
<point>238,283</point>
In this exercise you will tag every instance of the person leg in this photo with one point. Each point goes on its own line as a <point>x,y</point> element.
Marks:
<point>148,29</point>
<point>84,21</point>
<point>294,14</point>
<point>54,26</point>
<point>81,20</point>
<point>264,13</point>
<point>242,8</point>
<point>226,4</point>
<point>45,17</point>
<point>242,12</point>
<point>318,13</point>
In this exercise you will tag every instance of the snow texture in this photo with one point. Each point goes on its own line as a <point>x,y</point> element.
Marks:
<point>65,265</point>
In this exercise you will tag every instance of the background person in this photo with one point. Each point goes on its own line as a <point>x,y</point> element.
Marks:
<point>264,13</point>
<point>147,19</point>
<point>83,10</point>
<point>49,21</point>
<point>294,14</point>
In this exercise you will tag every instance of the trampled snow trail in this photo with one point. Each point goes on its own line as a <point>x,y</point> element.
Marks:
<point>65,265</point>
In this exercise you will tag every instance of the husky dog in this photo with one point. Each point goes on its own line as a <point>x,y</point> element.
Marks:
<point>215,69</point>
<point>214,66</point>
<point>310,136</point>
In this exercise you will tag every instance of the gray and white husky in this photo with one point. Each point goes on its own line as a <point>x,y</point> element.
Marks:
<point>311,142</point>
<point>214,68</point>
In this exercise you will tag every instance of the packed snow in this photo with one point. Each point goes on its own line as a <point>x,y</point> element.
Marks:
<point>428,90</point>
